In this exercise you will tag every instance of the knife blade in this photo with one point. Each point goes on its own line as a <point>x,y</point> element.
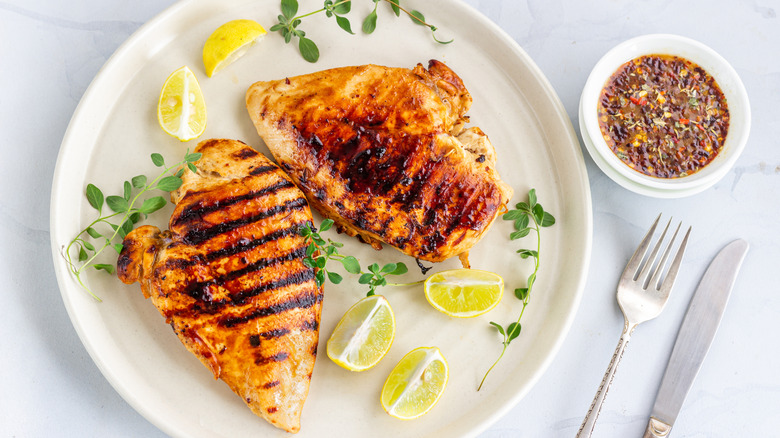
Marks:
<point>695,337</point>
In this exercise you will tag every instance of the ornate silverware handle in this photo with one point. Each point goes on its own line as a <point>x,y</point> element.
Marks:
<point>657,429</point>
<point>586,429</point>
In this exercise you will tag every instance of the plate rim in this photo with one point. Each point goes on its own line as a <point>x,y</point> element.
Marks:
<point>79,118</point>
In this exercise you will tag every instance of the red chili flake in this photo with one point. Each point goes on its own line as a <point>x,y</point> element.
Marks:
<point>640,102</point>
<point>685,121</point>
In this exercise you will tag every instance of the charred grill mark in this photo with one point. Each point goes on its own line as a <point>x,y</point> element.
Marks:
<point>302,301</point>
<point>310,325</point>
<point>197,235</point>
<point>200,290</point>
<point>275,333</point>
<point>200,208</point>
<point>246,244</point>
<point>254,340</point>
<point>270,385</point>
<point>294,278</point>
<point>262,169</point>
<point>243,154</point>
<point>278,357</point>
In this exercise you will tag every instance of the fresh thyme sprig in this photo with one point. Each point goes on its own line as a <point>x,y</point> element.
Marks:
<point>523,215</point>
<point>289,22</point>
<point>126,208</point>
<point>320,251</point>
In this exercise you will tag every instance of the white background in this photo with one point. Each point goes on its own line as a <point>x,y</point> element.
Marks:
<point>51,50</point>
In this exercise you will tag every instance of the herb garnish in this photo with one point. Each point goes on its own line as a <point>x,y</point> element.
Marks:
<point>126,207</point>
<point>320,251</point>
<point>523,215</point>
<point>289,22</point>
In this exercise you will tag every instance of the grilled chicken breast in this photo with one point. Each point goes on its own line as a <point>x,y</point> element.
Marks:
<point>228,277</point>
<point>384,153</point>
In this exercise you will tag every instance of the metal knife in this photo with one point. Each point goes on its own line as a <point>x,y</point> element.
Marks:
<point>695,337</point>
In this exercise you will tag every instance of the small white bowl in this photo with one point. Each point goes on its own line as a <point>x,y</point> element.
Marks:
<point>712,63</point>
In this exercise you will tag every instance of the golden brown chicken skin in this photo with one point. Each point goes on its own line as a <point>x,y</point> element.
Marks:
<point>228,277</point>
<point>383,152</point>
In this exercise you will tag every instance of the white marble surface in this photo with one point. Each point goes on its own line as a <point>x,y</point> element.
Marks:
<point>51,50</point>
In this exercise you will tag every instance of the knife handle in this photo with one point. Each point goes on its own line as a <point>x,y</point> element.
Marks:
<point>657,429</point>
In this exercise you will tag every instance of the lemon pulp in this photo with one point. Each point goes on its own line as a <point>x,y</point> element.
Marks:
<point>415,384</point>
<point>181,108</point>
<point>228,43</point>
<point>464,293</point>
<point>363,335</point>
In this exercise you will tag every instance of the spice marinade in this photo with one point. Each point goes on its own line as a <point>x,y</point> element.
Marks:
<point>663,115</point>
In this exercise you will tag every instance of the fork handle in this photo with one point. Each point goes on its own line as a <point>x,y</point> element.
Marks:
<point>586,429</point>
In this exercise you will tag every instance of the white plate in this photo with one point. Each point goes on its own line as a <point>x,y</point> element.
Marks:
<point>114,131</point>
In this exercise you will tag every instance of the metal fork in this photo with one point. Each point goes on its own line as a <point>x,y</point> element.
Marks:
<point>641,297</point>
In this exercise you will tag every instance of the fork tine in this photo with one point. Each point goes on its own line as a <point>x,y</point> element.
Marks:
<point>633,265</point>
<point>651,259</point>
<point>659,269</point>
<point>671,276</point>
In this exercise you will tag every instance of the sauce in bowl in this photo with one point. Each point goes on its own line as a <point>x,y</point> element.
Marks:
<point>663,115</point>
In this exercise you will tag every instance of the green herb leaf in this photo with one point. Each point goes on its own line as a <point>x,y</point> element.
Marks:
<point>326,224</point>
<point>521,293</point>
<point>365,278</point>
<point>95,197</point>
<point>309,262</point>
<point>117,204</point>
<point>525,253</point>
<point>395,5</point>
<point>386,269</point>
<point>343,8</point>
<point>158,160</point>
<point>351,265</point>
<point>169,183</point>
<point>319,278</point>
<point>128,191</point>
<point>532,197</point>
<point>94,233</point>
<point>512,215</point>
<point>193,157</point>
<point>513,331</point>
<point>538,212</point>
<point>343,23</point>
<point>153,204</point>
<point>135,217</point>
<point>127,227</point>
<point>118,248</point>
<point>320,262</point>
<point>82,254</point>
<point>374,268</point>
<point>522,222</point>
<point>498,327</point>
<point>519,234</point>
<point>369,23</point>
<point>88,245</point>
<point>139,181</point>
<point>547,220</point>
<point>104,267</point>
<point>334,277</point>
<point>400,269</point>
<point>289,8</point>
<point>308,49</point>
<point>523,206</point>
<point>192,168</point>
<point>419,18</point>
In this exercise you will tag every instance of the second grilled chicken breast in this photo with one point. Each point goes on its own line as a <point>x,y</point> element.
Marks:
<point>383,152</point>
<point>229,278</point>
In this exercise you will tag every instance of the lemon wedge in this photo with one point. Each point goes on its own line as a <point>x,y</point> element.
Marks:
<point>364,335</point>
<point>464,293</point>
<point>415,384</point>
<point>229,42</point>
<point>181,109</point>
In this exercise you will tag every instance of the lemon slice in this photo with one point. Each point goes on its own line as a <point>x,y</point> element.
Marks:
<point>181,109</point>
<point>228,43</point>
<point>464,293</point>
<point>364,334</point>
<point>415,384</point>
